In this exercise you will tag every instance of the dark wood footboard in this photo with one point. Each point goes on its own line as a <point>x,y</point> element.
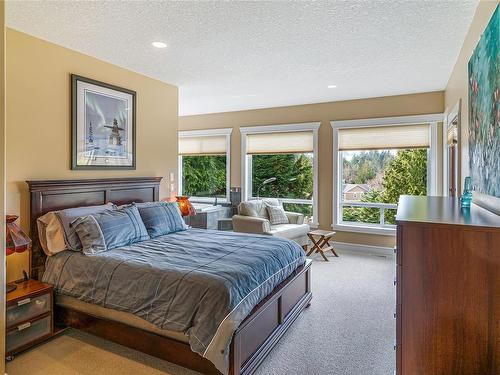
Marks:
<point>263,328</point>
<point>252,341</point>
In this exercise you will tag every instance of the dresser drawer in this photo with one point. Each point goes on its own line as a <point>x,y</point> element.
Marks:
<point>27,308</point>
<point>27,333</point>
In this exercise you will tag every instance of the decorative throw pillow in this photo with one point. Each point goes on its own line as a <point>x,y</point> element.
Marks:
<point>90,235</point>
<point>277,215</point>
<point>110,229</point>
<point>69,215</point>
<point>161,218</point>
<point>51,233</point>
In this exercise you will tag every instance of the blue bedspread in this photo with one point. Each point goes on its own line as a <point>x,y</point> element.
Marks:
<point>200,282</point>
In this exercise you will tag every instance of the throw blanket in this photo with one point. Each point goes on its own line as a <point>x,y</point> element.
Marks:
<point>200,282</point>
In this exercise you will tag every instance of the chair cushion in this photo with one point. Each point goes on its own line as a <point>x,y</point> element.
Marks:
<point>257,207</point>
<point>289,231</point>
<point>277,215</point>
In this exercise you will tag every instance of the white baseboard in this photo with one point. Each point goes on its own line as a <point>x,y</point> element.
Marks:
<point>366,249</point>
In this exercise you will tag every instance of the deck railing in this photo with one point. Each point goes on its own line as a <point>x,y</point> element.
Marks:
<point>381,206</point>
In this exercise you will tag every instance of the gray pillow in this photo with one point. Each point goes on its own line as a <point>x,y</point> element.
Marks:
<point>90,235</point>
<point>161,218</point>
<point>277,215</point>
<point>110,229</point>
<point>69,215</point>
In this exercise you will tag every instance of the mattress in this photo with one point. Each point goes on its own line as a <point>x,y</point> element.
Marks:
<point>117,316</point>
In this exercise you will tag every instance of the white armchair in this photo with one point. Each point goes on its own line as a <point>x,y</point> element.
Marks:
<point>253,218</point>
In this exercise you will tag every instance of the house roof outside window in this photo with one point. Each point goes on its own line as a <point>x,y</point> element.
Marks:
<point>356,188</point>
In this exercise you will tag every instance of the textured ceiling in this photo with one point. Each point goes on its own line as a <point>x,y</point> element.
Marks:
<point>227,56</point>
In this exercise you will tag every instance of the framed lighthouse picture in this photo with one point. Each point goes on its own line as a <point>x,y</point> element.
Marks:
<point>103,125</point>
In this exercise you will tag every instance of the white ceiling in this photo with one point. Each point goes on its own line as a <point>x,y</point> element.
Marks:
<point>227,56</point>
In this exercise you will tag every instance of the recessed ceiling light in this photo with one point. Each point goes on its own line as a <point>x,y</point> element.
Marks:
<point>332,86</point>
<point>159,44</point>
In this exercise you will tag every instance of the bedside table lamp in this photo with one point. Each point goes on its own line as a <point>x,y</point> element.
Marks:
<point>185,206</point>
<point>16,241</point>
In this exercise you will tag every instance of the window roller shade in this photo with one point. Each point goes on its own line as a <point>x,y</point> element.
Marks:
<point>203,145</point>
<point>280,143</point>
<point>384,137</point>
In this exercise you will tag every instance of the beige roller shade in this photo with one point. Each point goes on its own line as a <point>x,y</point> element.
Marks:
<point>384,137</point>
<point>203,145</point>
<point>280,143</point>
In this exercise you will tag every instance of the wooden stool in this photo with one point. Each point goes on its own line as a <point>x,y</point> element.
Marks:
<point>322,244</point>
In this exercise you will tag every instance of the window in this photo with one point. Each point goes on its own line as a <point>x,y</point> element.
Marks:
<point>204,164</point>
<point>376,161</point>
<point>280,161</point>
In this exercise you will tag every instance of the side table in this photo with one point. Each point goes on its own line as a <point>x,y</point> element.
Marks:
<point>322,244</point>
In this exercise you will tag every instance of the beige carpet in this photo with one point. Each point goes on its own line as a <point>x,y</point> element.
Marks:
<point>348,330</point>
<point>78,353</point>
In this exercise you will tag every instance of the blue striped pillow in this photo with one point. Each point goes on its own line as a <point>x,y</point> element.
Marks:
<point>110,229</point>
<point>67,216</point>
<point>161,218</point>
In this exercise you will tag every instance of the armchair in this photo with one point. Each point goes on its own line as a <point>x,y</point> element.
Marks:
<point>253,218</point>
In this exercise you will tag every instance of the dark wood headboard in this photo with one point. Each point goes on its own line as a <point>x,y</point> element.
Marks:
<point>52,195</point>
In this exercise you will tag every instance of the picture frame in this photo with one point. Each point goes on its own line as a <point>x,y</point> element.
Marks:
<point>103,125</point>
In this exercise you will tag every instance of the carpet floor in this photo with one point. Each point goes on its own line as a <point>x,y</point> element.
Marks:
<point>348,330</point>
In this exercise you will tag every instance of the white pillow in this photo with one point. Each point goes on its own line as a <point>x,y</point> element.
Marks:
<point>51,233</point>
<point>277,215</point>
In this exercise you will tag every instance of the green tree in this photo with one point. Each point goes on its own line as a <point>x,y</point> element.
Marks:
<point>365,173</point>
<point>204,176</point>
<point>406,174</point>
<point>364,166</point>
<point>364,214</point>
<point>294,178</point>
<point>293,172</point>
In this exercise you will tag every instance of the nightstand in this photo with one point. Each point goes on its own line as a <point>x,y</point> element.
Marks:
<point>28,316</point>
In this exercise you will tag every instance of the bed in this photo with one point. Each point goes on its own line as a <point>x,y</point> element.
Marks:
<point>254,335</point>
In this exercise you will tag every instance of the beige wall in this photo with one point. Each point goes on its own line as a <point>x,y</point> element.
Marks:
<point>458,82</point>
<point>2,186</point>
<point>403,105</point>
<point>39,121</point>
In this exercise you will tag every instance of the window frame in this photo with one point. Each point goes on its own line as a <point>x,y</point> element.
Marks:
<point>246,177</point>
<point>208,133</point>
<point>455,115</point>
<point>432,167</point>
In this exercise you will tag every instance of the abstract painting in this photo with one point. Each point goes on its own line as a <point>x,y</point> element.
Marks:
<point>484,110</point>
<point>103,128</point>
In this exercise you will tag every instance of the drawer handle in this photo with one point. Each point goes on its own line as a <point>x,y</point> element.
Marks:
<point>23,326</point>
<point>395,281</point>
<point>395,250</point>
<point>23,301</point>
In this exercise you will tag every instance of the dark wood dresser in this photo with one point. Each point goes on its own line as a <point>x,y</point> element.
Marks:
<point>447,288</point>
